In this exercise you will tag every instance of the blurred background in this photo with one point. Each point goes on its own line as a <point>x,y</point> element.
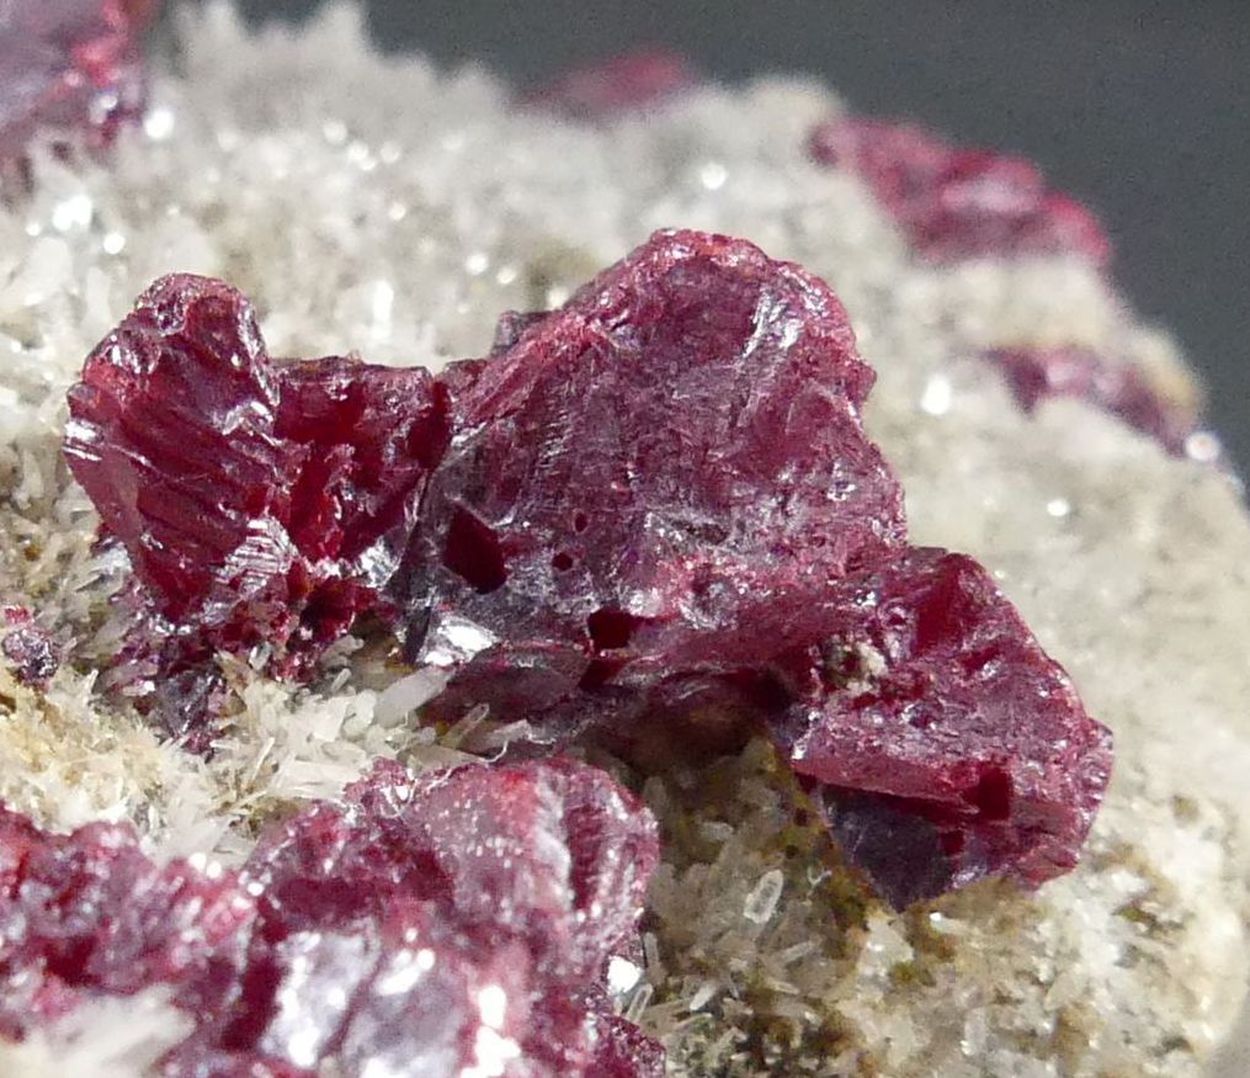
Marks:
<point>1139,109</point>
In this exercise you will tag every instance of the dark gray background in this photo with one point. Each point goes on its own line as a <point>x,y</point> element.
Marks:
<point>1141,110</point>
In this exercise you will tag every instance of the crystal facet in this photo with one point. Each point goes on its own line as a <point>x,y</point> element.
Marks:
<point>423,925</point>
<point>260,503</point>
<point>652,514</point>
<point>958,203</point>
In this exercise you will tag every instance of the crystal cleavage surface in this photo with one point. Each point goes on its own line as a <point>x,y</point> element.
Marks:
<point>651,516</point>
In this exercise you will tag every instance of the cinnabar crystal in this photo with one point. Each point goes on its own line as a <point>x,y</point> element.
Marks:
<point>434,925</point>
<point>69,64</point>
<point>956,203</point>
<point>652,515</point>
<point>1037,374</point>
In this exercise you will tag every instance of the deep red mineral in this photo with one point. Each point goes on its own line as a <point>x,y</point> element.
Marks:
<point>29,649</point>
<point>447,924</point>
<point>1036,374</point>
<point>69,64</point>
<point>958,203</point>
<point>260,503</point>
<point>652,514</point>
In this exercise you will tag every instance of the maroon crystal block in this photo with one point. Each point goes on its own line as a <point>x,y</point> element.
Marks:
<point>259,502</point>
<point>31,651</point>
<point>956,203</point>
<point>626,83</point>
<point>652,514</point>
<point>1036,374</point>
<point>683,434</point>
<point>911,727</point>
<point>425,925</point>
<point>69,64</point>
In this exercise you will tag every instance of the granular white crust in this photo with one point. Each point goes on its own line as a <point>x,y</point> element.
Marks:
<point>381,205</point>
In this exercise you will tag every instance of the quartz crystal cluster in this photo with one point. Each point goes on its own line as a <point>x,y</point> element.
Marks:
<point>652,514</point>
<point>451,923</point>
<point>69,64</point>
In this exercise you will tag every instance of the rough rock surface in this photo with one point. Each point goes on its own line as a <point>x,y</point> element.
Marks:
<point>400,218</point>
<point>457,922</point>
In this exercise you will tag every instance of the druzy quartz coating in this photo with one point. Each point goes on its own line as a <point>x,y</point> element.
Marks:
<point>69,64</point>
<point>454,923</point>
<point>651,516</point>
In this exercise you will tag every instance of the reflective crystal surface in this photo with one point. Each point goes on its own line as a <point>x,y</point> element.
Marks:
<point>28,649</point>
<point>652,514</point>
<point>448,924</point>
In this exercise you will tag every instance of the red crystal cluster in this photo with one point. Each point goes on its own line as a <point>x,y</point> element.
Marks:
<point>451,923</point>
<point>652,513</point>
<point>260,503</point>
<point>956,203</point>
<point>69,64</point>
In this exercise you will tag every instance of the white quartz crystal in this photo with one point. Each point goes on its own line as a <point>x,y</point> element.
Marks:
<point>383,205</point>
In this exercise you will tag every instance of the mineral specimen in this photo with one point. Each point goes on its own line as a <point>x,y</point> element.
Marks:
<point>452,923</point>
<point>68,64</point>
<point>957,203</point>
<point>653,513</point>
<point>1036,374</point>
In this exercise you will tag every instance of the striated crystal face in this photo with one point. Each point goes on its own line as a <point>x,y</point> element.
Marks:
<point>260,503</point>
<point>958,203</point>
<point>682,436</point>
<point>450,923</point>
<point>652,514</point>
<point>68,64</point>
